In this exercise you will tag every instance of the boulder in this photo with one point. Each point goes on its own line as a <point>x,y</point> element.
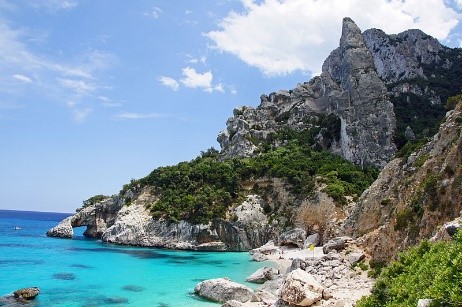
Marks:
<point>337,244</point>
<point>293,237</point>
<point>355,257</point>
<point>259,257</point>
<point>301,288</point>
<point>26,293</point>
<point>223,290</point>
<point>262,275</point>
<point>297,263</point>
<point>268,249</point>
<point>314,239</point>
<point>233,303</point>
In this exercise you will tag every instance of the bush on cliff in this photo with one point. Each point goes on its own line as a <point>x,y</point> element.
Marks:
<point>427,271</point>
<point>204,188</point>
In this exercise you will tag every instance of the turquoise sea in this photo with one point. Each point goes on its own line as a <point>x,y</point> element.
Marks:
<point>86,272</point>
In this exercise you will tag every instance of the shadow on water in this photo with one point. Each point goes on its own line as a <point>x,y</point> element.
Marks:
<point>81,266</point>
<point>133,288</point>
<point>140,253</point>
<point>64,276</point>
<point>21,262</point>
<point>101,300</point>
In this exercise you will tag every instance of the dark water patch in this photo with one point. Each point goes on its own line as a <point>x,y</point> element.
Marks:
<point>133,288</point>
<point>21,262</point>
<point>19,245</point>
<point>138,253</point>
<point>81,266</point>
<point>102,300</point>
<point>177,261</point>
<point>64,276</point>
<point>163,305</point>
<point>33,215</point>
<point>162,293</point>
<point>198,279</point>
<point>116,300</point>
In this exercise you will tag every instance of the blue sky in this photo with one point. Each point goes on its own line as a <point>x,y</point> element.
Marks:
<point>94,93</point>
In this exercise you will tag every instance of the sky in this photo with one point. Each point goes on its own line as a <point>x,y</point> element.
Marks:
<point>94,93</point>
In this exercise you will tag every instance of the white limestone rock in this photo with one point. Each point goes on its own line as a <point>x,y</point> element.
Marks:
<point>223,290</point>
<point>301,288</point>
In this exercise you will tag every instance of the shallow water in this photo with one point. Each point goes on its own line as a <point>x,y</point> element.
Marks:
<point>85,272</point>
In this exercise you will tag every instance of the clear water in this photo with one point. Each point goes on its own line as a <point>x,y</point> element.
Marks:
<point>85,272</point>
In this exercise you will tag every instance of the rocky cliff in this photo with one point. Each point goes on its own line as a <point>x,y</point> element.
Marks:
<point>359,79</point>
<point>350,110</point>
<point>413,195</point>
<point>132,224</point>
<point>348,88</point>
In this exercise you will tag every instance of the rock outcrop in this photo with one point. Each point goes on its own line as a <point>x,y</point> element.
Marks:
<point>413,195</point>
<point>26,293</point>
<point>132,224</point>
<point>348,88</point>
<point>63,229</point>
<point>223,289</point>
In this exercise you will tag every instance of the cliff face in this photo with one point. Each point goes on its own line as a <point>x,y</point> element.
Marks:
<point>375,91</point>
<point>413,195</point>
<point>132,224</point>
<point>348,87</point>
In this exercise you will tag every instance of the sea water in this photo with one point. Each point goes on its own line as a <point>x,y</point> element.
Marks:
<point>87,272</point>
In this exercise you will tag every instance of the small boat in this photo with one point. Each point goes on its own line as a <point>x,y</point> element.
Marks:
<point>17,228</point>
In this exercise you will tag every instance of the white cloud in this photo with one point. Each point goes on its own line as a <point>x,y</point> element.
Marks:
<point>73,79</point>
<point>280,37</point>
<point>108,103</point>
<point>22,78</point>
<point>80,87</point>
<point>128,115</point>
<point>202,60</point>
<point>154,12</point>
<point>187,12</point>
<point>193,79</point>
<point>458,3</point>
<point>53,5</point>
<point>169,82</point>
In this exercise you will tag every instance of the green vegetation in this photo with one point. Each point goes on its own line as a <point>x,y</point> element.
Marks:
<point>420,113</point>
<point>204,188</point>
<point>93,200</point>
<point>430,270</point>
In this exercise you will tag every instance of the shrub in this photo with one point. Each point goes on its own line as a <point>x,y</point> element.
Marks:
<point>429,270</point>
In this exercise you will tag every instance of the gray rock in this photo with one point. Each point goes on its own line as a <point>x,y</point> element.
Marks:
<point>336,244</point>
<point>301,289</point>
<point>297,263</point>
<point>355,257</point>
<point>223,290</point>
<point>293,237</point>
<point>26,293</point>
<point>314,239</point>
<point>262,275</point>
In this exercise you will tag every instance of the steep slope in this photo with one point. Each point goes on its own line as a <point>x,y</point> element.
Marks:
<point>413,195</point>
<point>274,173</point>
